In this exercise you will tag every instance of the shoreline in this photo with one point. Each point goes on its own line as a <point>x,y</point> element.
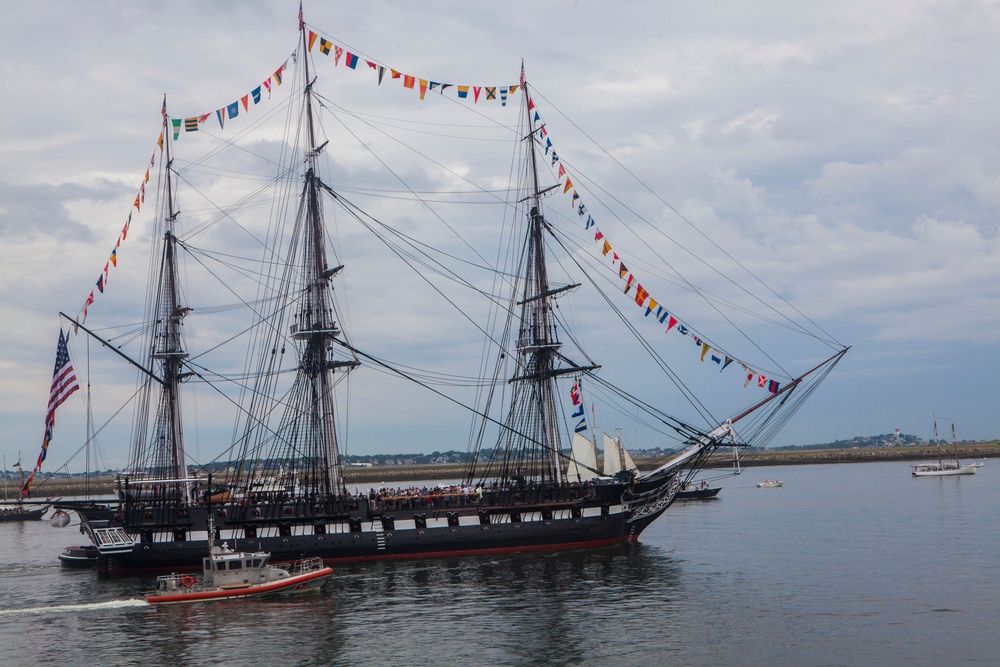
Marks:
<point>983,450</point>
<point>101,487</point>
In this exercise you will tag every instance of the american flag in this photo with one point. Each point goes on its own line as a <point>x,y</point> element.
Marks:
<point>63,379</point>
<point>63,384</point>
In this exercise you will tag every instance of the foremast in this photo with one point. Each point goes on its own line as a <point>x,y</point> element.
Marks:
<point>532,443</point>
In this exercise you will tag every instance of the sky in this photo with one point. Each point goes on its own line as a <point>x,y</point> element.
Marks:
<point>848,153</point>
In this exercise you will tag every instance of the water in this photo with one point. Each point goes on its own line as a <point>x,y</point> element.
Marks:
<point>845,565</point>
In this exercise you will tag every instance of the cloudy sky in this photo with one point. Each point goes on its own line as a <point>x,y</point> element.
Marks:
<point>848,154</point>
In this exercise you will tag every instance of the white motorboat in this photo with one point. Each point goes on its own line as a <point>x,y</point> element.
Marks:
<point>231,574</point>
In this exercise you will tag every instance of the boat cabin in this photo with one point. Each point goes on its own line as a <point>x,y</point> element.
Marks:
<point>227,568</point>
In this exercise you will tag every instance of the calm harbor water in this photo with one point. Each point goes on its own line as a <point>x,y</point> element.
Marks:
<point>849,564</point>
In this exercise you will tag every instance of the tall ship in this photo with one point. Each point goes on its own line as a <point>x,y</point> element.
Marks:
<point>533,480</point>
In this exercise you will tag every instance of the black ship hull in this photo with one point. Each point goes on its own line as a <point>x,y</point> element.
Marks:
<point>83,556</point>
<point>699,494</point>
<point>146,538</point>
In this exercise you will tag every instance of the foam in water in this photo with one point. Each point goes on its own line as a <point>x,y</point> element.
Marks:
<point>111,604</point>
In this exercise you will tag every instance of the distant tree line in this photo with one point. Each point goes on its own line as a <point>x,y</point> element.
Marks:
<point>861,441</point>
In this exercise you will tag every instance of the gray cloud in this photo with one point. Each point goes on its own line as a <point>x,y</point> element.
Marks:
<point>847,154</point>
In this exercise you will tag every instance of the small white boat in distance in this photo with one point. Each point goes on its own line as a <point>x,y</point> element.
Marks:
<point>944,468</point>
<point>231,574</point>
<point>769,484</point>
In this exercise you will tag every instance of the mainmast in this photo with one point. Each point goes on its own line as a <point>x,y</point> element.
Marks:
<point>954,444</point>
<point>311,423</point>
<point>168,352</point>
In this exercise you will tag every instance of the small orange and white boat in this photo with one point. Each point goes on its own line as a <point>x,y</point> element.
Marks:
<point>228,574</point>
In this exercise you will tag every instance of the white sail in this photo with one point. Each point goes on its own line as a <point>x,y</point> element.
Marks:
<point>629,463</point>
<point>616,457</point>
<point>612,460</point>
<point>584,462</point>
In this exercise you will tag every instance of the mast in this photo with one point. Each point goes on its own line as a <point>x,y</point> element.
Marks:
<point>20,469</point>
<point>538,342</point>
<point>937,444</point>
<point>309,425</point>
<point>167,349</point>
<point>530,445</point>
<point>954,443</point>
<point>89,431</point>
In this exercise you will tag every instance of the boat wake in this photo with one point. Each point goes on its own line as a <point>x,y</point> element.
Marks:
<point>111,604</point>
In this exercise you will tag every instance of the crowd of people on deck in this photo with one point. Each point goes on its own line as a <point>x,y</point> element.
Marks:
<point>424,497</point>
